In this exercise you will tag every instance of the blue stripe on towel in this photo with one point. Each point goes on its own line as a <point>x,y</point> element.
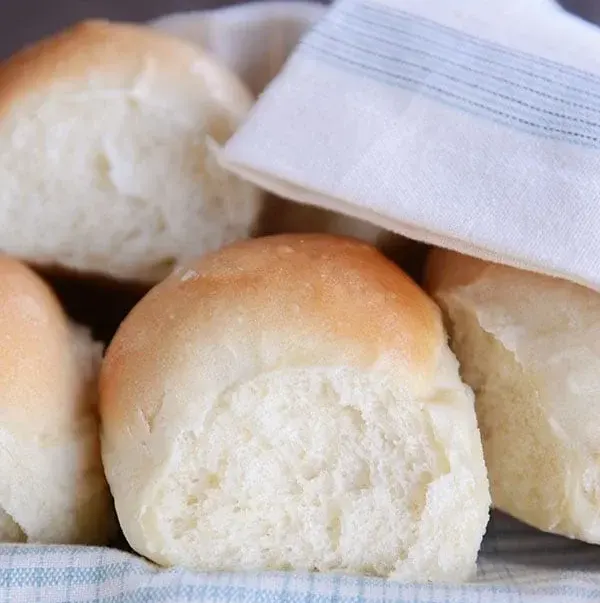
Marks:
<point>468,73</point>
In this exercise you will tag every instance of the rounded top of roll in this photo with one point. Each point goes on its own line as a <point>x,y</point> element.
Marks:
<point>338,299</point>
<point>99,55</point>
<point>34,335</point>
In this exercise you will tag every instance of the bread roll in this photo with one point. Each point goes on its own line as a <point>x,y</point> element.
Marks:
<point>107,162</point>
<point>52,488</point>
<point>290,403</point>
<point>529,345</point>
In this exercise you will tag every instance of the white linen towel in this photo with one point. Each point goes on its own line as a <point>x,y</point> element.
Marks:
<point>469,124</point>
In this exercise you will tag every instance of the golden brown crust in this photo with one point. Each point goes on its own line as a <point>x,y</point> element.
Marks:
<point>301,300</point>
<point>18,280</point>
<point>34,339</point>
<point>91,49</point>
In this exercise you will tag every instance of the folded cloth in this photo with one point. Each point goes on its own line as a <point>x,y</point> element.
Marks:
<point>517,564</point>
<point>466,124</point>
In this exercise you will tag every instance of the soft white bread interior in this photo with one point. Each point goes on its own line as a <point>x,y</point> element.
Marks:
<point>529,345</point>
<point>290,402</point>
<point>53,488</point>
<point>107,160</point>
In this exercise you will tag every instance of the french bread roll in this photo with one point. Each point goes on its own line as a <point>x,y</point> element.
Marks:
<point>290,402</point>
<point>529,345</point>
<point>107,162</point>
<point>52,488</point>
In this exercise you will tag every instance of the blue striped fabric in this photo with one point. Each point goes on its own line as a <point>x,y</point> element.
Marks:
<point>461,70</point>
<point>517,564</point>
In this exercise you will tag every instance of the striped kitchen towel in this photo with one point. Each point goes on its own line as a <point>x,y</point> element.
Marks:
<point>517,565</point>
<point>469,124</point>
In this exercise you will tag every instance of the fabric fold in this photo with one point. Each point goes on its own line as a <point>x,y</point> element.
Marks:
<point>445,123</point>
